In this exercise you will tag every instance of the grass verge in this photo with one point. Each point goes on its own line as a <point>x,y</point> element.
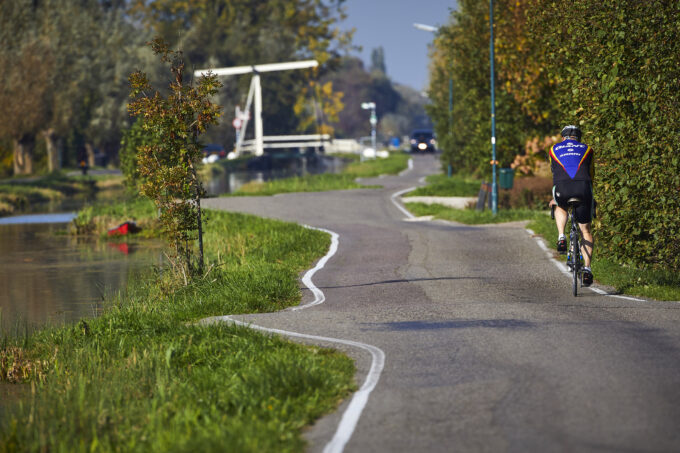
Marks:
<point>443,186</point>
<point>471,216</point>
<point>143,377</point>
<point>19,194</point>
<point>650,283</point>
<point>328,181</point>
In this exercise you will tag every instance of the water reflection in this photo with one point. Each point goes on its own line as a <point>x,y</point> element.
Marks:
<point>60,217</point>
<point>48,277</point>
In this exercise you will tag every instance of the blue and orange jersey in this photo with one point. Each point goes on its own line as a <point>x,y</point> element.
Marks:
<point>571,160</point>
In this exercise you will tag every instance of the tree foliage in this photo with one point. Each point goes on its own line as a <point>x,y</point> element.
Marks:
<point>66,65</point>
<point>400,109</point>
<point>167,162</point>
<point>610,67</point>
<point>224,33</point>
<point>461,55</point>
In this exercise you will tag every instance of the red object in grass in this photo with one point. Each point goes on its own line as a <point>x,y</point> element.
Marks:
<point>123,229</point>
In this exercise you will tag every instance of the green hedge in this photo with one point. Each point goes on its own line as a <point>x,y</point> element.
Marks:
<point>619,64</point>
<point>610,66</point>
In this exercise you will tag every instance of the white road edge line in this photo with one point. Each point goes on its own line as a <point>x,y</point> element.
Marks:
<point>410,167</point>
<point>393,198</point>
<point>565,271</point>
<point>319,296</point>
<point>351,416</point>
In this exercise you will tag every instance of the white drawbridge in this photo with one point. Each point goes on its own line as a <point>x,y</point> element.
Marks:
<point>261,141</point>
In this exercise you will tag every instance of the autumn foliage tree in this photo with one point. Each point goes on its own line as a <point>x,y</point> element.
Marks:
<point>167,163</point>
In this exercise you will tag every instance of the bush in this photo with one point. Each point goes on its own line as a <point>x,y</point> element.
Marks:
<point>617,67</point>
<point>530,192</point>
<point>608,66</point>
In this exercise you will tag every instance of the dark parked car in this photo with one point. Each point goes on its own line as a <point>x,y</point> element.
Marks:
<point>422,141</point>
<point>214,148</point>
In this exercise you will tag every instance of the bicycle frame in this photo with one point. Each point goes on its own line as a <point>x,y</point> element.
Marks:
<point>574,256</point>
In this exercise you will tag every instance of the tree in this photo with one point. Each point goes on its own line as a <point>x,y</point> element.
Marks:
<point>400,109</point>
<point>27,63</point>
<point>223,33</point>
<point>378,60</point>
<point>167,163</point>
<point>461,53</point>
<point>323,109</point>
<point>66,64</point>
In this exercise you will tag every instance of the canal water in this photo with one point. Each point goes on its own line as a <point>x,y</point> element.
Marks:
<point>48,276</point>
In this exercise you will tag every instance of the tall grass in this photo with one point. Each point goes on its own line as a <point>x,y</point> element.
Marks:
<point>144,377</point>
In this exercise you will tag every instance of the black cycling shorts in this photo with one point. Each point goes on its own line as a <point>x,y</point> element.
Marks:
<point>564,190</point>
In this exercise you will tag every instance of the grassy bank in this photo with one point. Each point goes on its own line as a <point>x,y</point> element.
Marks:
<point>143,377</point>
<point>328,181</point>
<point>471,216</point>
<point>651,283</point>
<point>19,194</point>
<point>443,186</point>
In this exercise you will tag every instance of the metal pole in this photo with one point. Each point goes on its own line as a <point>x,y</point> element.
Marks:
<point>494,186</point>
<point>373,123</point>
<point>450,169</point>
<point>259,141</point>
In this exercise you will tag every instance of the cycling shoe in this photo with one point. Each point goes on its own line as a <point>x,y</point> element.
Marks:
<point>562,245</point>
<point>587,277</point>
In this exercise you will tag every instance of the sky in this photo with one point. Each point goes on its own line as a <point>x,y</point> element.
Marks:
<point>389,23</point>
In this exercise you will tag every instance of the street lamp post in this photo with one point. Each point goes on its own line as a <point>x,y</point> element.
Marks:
<point>374,121</point>
<point>494,186</point>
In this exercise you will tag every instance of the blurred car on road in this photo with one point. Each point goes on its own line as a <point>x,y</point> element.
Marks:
<point>423,141</point>
<point>214,149</point>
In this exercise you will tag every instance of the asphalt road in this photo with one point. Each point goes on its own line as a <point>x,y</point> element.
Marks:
<point>485,347</point>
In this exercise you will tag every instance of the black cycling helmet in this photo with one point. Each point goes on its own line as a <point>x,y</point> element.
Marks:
<point>571,131</point>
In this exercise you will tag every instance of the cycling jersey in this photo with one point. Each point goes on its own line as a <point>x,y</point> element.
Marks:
<point>571,160</point>
<point>572,166</point>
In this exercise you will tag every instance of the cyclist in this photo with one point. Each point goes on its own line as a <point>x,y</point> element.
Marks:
<point>572,166</point>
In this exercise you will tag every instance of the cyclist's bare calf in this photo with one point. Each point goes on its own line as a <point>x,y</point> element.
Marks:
<point>588,242</point>
<point>560,218</point>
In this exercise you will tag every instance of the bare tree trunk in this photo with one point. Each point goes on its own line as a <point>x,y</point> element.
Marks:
<point>53,163</point>
<point>89,149</point>
<point>23,155</point>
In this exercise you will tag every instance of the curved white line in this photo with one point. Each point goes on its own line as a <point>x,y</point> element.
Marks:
<point>351,416</point>
<point>562,269</point>
<point>393,198</point>
<point>319,296</point>
<point>410,167</point>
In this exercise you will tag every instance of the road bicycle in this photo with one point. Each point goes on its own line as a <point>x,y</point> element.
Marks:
<point>574,256</point>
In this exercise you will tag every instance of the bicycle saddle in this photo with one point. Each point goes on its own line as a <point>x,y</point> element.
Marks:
<point>574,201</point>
